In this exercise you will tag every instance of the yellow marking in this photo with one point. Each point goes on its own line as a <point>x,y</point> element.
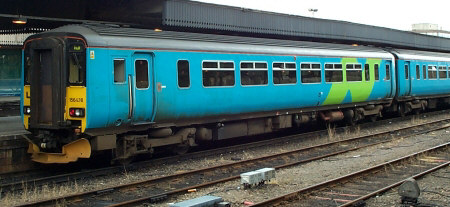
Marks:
<point>26,102</point>
<point>80,148</point>
<point>76,98</point>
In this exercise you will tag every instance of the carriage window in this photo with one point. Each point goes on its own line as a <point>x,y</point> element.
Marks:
<point>183,74</point>
<point>442,72</point>
<point>333,73</point>
<point>377,72</point>
<point>424,70</point>
<point>119,70</point>
<point>284,73</point>
<point>418,72</point>
<point>310,73</point>
<point>367,72</point>
<point>217,73</point>
<point>406,72</point>
<point>432,72</point>
<point>353,72</point>
<point>253,73</point>
<point>141,67</point>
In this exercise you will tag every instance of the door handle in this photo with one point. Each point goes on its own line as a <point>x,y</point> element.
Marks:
<point>130,97</point>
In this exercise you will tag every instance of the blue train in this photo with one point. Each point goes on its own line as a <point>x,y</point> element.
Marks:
<point>89,88</point>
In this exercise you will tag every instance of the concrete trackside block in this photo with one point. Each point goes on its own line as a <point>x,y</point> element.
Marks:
<point>267,173</point>
<point>204,201</point>
<point>251,178</point>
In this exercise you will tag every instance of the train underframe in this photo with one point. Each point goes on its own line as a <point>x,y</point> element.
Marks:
<point>180,138</point>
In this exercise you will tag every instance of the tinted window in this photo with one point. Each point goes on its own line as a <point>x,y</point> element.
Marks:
<point>418,72</point>
<point>119,70</point>
<point>367,72</point>
<point>353,72</point>
<point>377,72</point>
<point>254,73</point>
<point>432,72</point>
<point>183,74</point>
<point>27,67</point>
<point>388,72</point>
<point>442,72</point>
<point>406,71</point>
<point>284,73</point>
<point>310,73</point>
<point>217,73</point>
<point>226,65</point>
<point>424,70</point>
<point>77,66</point>
<point>210,65</point>
<point>141,67</point>
<point>333,73</point>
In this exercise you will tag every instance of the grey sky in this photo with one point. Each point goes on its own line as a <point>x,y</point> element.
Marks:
<point>397,14</point>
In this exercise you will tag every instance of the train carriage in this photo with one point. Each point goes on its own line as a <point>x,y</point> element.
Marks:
<point>423,80</point>
<point>89,88</point>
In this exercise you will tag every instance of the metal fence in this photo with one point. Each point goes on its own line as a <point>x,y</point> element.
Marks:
<point>13,39</point>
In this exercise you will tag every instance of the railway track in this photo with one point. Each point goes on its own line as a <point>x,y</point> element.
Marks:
<point>15,181</point>
<point>354,188</point>
<point>156,189</point>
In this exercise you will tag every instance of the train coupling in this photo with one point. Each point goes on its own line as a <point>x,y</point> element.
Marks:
<point>80,148</point>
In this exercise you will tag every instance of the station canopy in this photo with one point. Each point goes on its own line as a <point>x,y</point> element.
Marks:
<point>191,16</point>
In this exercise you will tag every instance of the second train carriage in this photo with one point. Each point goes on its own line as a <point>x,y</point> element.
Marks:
<point>423,80</point>
<point>91,88</point>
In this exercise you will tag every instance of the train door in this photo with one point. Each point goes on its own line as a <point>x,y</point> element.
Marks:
<point>142,93</point>
<point>407,78</point>
<point>46,83</point>
<point>390,78</point>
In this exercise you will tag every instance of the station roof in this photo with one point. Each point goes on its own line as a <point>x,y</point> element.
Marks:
<point>191,16</point>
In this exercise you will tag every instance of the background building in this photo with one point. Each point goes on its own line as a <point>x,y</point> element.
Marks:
<point>430,29</point>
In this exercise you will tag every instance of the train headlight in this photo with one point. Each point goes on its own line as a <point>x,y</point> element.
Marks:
<point>27,110</point>
<point>76,112</point>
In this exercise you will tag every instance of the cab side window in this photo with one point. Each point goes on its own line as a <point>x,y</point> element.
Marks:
<point>119,70</point>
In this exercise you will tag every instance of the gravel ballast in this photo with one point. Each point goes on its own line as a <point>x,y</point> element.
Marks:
<point>288,180</point>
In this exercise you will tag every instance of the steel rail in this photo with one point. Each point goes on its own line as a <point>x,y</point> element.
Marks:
<point>18,182</point>
<point>59,178</point>
<point>156,197</point>
<point>307,190</point>
<point>100,191</point>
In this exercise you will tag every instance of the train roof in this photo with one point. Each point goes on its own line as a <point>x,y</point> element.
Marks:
<point>421,55</point>
<point>109,36</point>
